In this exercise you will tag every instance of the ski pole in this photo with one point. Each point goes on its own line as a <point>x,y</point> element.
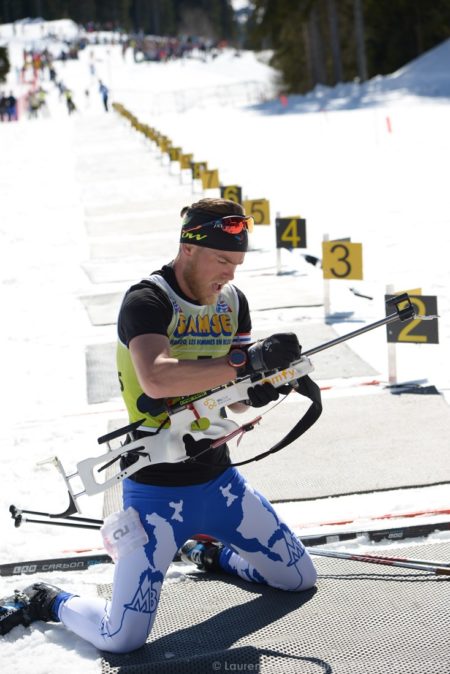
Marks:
<point>61,524</point>
<point>422,562</point>
<point>17,515</point>
<point>430,567</point>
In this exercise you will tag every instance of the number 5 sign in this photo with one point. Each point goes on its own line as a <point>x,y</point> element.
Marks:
<point>259,208</point>
<point>342,260</point>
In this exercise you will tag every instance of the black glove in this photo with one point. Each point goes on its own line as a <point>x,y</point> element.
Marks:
<point>194,447</point>
<point>274,353</point>
<point>263,394</point>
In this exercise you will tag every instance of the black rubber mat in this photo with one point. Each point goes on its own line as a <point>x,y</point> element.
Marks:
<point>103,309</point>
<point>360,443</point>
<point>360,619</point>
<point>111,271</point>
<point>101,376</point>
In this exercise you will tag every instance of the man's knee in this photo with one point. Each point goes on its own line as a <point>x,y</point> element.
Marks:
<point>126,643</point>
<point>309,577</point>
<point>304,579</point>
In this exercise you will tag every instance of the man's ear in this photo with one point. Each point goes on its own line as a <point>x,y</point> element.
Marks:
<point>187,249</point>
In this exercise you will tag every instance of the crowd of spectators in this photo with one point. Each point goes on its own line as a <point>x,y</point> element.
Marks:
<point>160,48</point>
<point>39,66</point>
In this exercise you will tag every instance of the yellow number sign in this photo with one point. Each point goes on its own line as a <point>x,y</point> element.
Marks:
<point>197,168</point>
<point>342,260</point>
<point>185,161</point>
<point>291,232</point>
<point>210,179</point>
<point>174,153</point>
<point>164,143</point>
<point>416,331</point>
<point>259,208</point>
<point>231,192</point>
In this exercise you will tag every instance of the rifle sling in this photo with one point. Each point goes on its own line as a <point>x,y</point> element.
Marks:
<point>305,387</point>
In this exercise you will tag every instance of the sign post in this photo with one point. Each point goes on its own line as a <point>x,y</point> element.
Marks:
<point>341,259</point>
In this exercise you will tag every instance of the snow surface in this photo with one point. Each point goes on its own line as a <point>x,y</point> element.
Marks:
<point>339,166</point>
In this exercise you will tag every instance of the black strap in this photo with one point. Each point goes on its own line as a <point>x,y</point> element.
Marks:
<point>306,387</point>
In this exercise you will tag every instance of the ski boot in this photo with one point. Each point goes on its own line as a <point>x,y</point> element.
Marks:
<point>26,606</point>
<point>203,553</point>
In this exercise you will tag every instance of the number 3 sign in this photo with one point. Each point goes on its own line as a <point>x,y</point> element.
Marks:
<point>342,260</point>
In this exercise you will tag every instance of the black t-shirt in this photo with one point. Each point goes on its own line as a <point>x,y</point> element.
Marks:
<point>146,309</point>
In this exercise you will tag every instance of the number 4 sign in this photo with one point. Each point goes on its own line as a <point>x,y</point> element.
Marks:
<point>291,232</point>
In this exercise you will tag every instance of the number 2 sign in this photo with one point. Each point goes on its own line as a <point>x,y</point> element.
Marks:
<point>416,331</point>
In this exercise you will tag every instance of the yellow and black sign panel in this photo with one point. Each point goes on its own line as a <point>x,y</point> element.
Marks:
<point>185,161</point>
<point>342,260</point>
<point>416,331</point>
<point>197,169</point>
<point>150,133</point>
<point>210,179</point>
<point>164,143</point>
<point>174,153</point>
<point>259,208</point>
<point>231,192</point>
<point>291,232</point>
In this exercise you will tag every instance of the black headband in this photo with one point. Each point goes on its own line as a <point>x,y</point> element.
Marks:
<point>210,237</point>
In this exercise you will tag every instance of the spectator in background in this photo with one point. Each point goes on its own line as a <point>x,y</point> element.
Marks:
<point>11,107</point>
<point>71,107</point>
<point>33,104</point>
<point>104,92</point>
<point>2,107</point>
<point>8,107</point>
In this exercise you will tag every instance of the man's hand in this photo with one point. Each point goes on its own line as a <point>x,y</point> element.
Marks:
<point>274,353</point>
<point>263,394</point>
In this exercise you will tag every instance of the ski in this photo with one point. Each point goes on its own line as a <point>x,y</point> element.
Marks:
<point>83,562</point>
<point>74,563</point>
<point>376,535</point>
<point>362,521</point>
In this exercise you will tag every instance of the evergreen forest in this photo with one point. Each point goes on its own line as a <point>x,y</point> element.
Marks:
<point>312,41</point>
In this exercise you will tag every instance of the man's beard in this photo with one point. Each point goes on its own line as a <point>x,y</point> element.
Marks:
<point>196,287</point>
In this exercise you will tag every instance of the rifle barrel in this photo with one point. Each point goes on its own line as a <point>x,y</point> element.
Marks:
<point>350,335</point>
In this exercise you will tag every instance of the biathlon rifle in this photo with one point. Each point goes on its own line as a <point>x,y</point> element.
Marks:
<point>200,417</point>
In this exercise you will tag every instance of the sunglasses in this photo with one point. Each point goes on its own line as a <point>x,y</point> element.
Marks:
<point>231,224</point>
